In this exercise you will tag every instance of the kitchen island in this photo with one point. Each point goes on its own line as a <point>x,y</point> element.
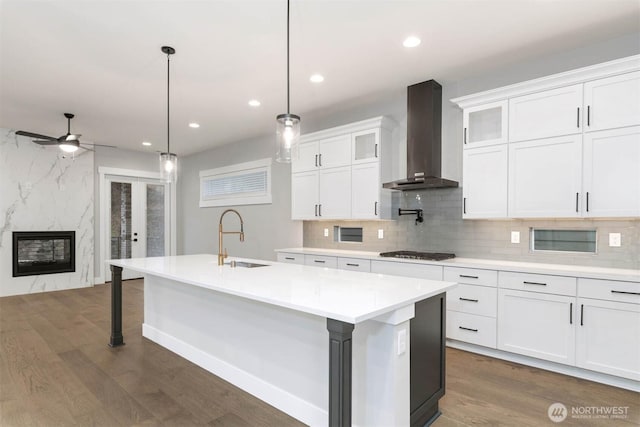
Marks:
<point>264,329</point>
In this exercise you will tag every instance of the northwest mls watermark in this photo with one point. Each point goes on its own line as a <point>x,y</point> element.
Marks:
<point>558,412</point>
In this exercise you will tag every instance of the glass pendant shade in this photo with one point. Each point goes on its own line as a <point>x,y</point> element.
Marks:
<point>168,167</point>
<point>287,137</point>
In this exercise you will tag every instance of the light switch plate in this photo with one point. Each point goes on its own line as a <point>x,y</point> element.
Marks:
<point>326,232</point>
<point>402,341</point>
<point>615,240</point>
<point>380,233</point>
<point>515,237</point>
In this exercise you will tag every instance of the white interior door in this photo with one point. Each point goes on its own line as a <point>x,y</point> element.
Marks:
<point>138,213</point>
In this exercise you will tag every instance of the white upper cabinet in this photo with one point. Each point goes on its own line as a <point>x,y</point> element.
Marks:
<point>612,102</point>
<point>544,114</point>
<point>365,146</point>
<point>335,193</point>
<point>307,158</point>
<point>304,195</point>
<point>611,174</point>
<point>544,178</point>
<point>484,188</point>
<point>365,187</point>
<point>485,125</point>
<point>335,152</point>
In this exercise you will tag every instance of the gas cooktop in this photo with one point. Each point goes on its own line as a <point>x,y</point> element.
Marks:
<point>431,256</point>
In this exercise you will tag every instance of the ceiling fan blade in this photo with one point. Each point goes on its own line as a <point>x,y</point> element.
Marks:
<point>87,149</point>
<point>35,135</point>
<point>98,145</point>
<point>45,142</point>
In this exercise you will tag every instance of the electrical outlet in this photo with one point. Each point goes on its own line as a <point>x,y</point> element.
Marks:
<point>402,341</point>
<point>615,240</point>
<point>380,233</point>
<point>515,237</point>
<point>326,232</point>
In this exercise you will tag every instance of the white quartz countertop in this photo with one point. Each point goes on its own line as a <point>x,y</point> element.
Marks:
<point>489,264</point>
<point>347,296</point>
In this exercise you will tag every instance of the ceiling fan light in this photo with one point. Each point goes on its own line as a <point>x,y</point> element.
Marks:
<point>69,147</point>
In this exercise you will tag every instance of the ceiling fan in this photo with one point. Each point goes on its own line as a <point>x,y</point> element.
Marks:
<point>68,143</point>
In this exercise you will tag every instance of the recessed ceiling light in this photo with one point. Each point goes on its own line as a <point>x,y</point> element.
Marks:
<point>411,41</point>
<point>146,143</point>
<point>254,103</point>
<point>317,78</point>
<point>194,125</point>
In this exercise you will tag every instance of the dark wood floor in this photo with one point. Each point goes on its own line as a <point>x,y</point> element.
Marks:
<point>56,370</point>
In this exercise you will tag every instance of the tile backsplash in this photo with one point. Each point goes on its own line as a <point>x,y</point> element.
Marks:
<point>444,230</point>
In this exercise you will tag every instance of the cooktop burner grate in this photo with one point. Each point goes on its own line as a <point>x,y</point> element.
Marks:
<point>431,256</point>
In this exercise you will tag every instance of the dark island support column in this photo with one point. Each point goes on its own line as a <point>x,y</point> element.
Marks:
<point>339,372</point>
<point>116,307</point>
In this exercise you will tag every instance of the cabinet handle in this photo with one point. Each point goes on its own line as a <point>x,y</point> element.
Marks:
<point>465,135</point>
<point>375,208</point>
<point>468,299</point>
<point>581,314</point>
<point>135,240</point>
<point>353,265</point>
<point>588,115</point>
<point>320,209</point>
<point>468,277</point>
<point>571,314</point>
<point>320,159</point>
<point>577,195</point>
<point>375,150</point>
<point>464,205</point>
<point>319,261</point>
<point>290,258</point>
<point>467,329</point>
<point>578,124</point>
<point>316,160</point>
<point>315,210</point>
<point>587,201</point>
<point>534,283</point>
<point>625,292</point>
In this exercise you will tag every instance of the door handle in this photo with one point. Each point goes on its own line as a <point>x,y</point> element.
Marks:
<point>588,115</point>
<point>467,329</point>
<point>315,210</point>
<point>467,299</point>
<point>316,160</point>
<point>320,210</point>
<point>135,240</point>
<point>375,150</point>
<point>578,124</point>
<point>571,314</point>
<point>465,135</point>
<point>375,208</point>
<point>320,159</point>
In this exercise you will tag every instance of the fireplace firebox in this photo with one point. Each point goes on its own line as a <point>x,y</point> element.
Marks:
<point>43,252</point>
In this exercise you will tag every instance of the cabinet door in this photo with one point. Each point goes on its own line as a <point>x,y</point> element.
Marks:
<point>335,151</point>
<point>543,114</point>
<point>304,195</point>
<point>365,191</point>
<point>290,258</point>
<point>484,186</point>
<point>612,172</point>
<point>613,102</point>
<point>485,125</point>
<point>365,146</point>
<point>537,325</point>
<point>544,177</point>
<point>608,337</point>
<point>335,193</point>
<point>307,159</point>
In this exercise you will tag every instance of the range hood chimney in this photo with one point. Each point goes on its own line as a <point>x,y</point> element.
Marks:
<point>424,139</point>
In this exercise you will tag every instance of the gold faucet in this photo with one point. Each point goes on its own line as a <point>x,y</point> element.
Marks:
<point>221,232</point>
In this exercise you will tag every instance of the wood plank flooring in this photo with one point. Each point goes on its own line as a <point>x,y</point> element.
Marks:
<point>57,370</point>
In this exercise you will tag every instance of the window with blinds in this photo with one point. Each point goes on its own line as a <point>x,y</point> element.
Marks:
<point>240,184</point>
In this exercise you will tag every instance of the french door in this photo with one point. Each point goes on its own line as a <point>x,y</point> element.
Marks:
<point>138,222</point>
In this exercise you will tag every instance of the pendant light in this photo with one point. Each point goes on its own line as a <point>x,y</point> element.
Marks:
<point>288,125</point>
<point>168,160</point>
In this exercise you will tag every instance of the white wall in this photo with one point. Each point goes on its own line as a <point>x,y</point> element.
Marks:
<point>40,191</point>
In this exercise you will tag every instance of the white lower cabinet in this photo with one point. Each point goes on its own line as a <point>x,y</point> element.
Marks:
<point>321,261</point>
<point>471,328</point>
<point>290,258</point>
<point>537,325</point>
<point>354,264</point>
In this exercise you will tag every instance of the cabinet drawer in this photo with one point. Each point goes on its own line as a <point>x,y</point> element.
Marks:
<point>471,276</point>
<point>290,258</point>
<point>473,300</point>
<point>407,269</point>
<point>559,285</point>
<point>611,290</point>
<point>355,264</point>
<point>471,328</point>
<point>321,261</point>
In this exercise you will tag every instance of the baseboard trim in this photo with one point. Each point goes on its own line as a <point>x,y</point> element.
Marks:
<point>98,281</point>
<point>281,399</point>
<point>573,371</point>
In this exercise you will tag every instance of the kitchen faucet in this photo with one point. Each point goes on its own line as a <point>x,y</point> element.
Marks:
<point>221,232</point>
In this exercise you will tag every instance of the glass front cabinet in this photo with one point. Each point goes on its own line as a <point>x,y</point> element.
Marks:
<point>485,125</point>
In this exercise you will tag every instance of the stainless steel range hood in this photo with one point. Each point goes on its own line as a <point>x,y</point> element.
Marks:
<point>424,139</point>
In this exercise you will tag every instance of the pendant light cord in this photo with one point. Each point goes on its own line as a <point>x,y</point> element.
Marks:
<point>168,60</point>
<point>288,112</point>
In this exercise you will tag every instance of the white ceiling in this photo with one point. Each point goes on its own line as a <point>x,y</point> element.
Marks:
<point>102,61</point>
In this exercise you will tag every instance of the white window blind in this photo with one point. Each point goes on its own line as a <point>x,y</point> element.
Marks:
<point>240,184</point>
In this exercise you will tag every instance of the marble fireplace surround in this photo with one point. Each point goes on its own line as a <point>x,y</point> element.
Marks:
<point>42,190</point>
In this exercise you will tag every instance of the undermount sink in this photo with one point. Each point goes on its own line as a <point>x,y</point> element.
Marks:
<point>245,264</point>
